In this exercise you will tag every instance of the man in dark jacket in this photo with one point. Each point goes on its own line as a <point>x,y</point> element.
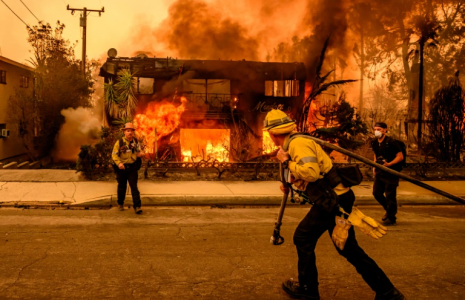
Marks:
<point>388,153</point>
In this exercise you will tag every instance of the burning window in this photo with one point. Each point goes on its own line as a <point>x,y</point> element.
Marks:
<point>282,88</point>
<point>205,144</point>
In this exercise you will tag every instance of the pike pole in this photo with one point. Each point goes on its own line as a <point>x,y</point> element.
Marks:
<point>276,238</point>
<point>387,170</point>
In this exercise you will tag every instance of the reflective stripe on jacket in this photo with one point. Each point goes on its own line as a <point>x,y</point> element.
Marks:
<point>309,161</point>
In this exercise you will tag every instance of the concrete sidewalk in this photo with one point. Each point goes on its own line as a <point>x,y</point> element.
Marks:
<point>66,188</point>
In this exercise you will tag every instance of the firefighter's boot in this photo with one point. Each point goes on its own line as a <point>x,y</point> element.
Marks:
<point>392,294</point>
<point>296,291</point>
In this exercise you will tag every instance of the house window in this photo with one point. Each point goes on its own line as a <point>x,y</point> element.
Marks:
<point>2,76</point>
<point>282,88</point>
<point>145,85</point>
<point>24,81</point>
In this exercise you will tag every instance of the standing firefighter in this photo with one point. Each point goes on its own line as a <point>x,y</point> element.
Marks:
<point>310,167</point>
<point>127,157</point>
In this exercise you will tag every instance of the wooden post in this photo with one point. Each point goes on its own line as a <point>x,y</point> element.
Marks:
<point>155,146</point>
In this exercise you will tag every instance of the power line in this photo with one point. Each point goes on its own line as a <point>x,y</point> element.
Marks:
<point>29,10</point>
<point>16,14</point>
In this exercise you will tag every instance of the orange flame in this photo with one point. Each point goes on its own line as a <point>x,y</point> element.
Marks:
<point>163,116</point>
<point>308,90</point>
<point>268,145</point>
<point>207,144</point>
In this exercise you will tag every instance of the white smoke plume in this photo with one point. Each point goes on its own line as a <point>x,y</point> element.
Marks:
<point>81,127</point>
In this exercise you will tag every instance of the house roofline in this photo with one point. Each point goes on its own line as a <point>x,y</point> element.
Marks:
<point>15,63</point>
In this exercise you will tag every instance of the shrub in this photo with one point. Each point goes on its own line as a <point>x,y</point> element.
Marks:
<point>96,159</point>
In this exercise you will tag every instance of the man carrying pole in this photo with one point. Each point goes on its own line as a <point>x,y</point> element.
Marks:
<point>312,172</point>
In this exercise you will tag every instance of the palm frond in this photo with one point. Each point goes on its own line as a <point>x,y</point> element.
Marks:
<point>121,121</point>
<point>111,98</point>
<point>127,98</point>
<point>323,79</point>
<point>322,58</point>
<point>326,86</point>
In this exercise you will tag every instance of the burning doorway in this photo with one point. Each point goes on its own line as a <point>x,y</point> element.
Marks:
<point>199,144</point>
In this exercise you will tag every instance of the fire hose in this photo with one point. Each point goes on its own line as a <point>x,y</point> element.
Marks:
<point>277,239</point>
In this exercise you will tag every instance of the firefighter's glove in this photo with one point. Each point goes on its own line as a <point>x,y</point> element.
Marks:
<point>284,189</point>
<point>340,232</point>
<point>366,224</point>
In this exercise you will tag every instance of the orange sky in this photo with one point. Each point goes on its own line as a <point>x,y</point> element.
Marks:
<point>110,30</point>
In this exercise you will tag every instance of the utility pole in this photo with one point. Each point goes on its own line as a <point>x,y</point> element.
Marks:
<point>83,22</point>
<point>362,63</point>
<point>420,95</point>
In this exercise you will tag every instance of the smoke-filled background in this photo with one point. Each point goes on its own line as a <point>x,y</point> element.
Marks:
<point>374,41</point>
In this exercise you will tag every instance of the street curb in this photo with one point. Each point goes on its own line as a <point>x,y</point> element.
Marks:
<point>216,200</point>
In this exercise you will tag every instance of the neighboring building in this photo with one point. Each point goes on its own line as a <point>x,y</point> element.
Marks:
<point>13,76</point>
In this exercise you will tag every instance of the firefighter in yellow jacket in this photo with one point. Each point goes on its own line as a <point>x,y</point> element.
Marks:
<point>308,163</point>
<point>127,158</point>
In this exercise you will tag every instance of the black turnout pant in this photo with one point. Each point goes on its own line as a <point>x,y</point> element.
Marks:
<point>129,174</point>
<point>385,192</point>
<point>315,223</point>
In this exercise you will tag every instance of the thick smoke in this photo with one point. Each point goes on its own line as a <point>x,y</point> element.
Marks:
<point>81,127</point>
<point>196,30</point>
<point>273,30</point>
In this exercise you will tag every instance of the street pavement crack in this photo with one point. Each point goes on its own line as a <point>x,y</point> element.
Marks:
<point>229,189</point>
<point>23,268</point>
<point>179,233</point>
<point>64,196</point>
<point>74,193</point>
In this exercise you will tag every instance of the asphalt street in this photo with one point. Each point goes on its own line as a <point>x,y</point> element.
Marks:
<point>215,253</point>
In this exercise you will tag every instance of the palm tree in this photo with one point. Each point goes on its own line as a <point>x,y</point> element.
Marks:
<point>319,86</point>
<point>427,29</point>
<point>120,99</point>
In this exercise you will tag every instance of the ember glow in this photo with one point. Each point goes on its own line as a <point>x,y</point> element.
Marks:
<point>268,145</point>
<point>205,144</point>
<point>164,116</point>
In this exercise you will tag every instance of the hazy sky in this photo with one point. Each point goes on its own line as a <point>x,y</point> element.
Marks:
<point>111,30</point>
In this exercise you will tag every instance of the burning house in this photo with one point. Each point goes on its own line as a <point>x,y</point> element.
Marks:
<point>189,110</point>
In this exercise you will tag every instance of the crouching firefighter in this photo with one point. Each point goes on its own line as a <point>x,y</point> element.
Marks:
<point>314,176</point>
<point>127,161</point>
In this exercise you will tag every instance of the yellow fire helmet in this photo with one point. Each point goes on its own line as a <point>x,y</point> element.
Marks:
<point>277,122</point>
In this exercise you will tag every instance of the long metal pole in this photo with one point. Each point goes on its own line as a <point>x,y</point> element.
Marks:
<point>387,170</point>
